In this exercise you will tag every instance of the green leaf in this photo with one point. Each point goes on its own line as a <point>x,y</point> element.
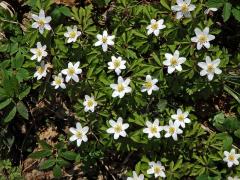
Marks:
<point>227,143</point>
<point>40,154</point>
<point>164,3</point>
<point>215,3</point>
<point>22,109</point>
<point>236,13</point>
<point>63,163</point>
<point>69,155</point>
<point>24,93</point>
<point>57,171</point>
<point>227,11</point>
<point>5,103</point>
<point>45,145</point>
<point>65,11</point>
<point>11,115</point>
<point>47,164</point>
<point>231,92</point>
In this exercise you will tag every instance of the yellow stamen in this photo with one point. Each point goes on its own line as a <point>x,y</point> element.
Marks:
<point>154,26</point>
<point>72,34</point>
<point>184,8</point>
<point>58,81</point>
<point>116,63</point>
<point>171,130</point>
<point>202,38</point>
<point>120,87</point>
<point>210,68</point>
<point>104,39</point>
<point>41,22</point>
<point>118,128</point>
<point>79,135</point>
<point>71,71</point>
<point>181,117</point>
<point>153,129</point>
<point>90,103</point>
<point>231,157</point>
<point>40,70</point>
<point>157,170</point>
<point>148,84</point>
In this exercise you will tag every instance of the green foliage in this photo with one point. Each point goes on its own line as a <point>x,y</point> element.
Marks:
<point>8,171</point>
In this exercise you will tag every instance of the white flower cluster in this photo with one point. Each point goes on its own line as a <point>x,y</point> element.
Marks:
<point>174,62</point>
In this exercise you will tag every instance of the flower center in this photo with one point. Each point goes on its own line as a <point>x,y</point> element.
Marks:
<point>79,135</point>
<point>41,22</point>
<point>71,71</point>
<point>40,70</point>
<point>104,39</point>
<point>184,8</point>
<point>231,157</point>
<point>202,38</point>
<point>72,34</point>
<point>173,61</point>
<point>153,129</point>
<point>90,103</point>
<point>148,84</point>
<point>39,52</point>
<point>58,81</point>
<point>180,117</point>
<point>120,87</point>
<point>154,26</point>
<point>118,128</point>
<point>157,170</point>
<point>171,130</point>
<point>210,68</point>
<point>116,63</point>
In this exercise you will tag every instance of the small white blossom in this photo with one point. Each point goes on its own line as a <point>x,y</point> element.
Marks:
<point>79,133</point>
<point>104,40</point>
<point>72,34</point>
<point>157,169</point>
<point>233,178</point>
<point>89,103</point>
<point>153,129</point>
<point>72,71</point>
<point>231,158</point>
<point>209,68</point>
<point>58,81</point>
<point>202,38</point>
<point>41,71</point>
<point>181,118</point>
<point>207,11</point>
<point>121,88</point>
<point>39,52</point>
<point>42,22</point>
<point>172,130</point>
<point>117,64</point>
<point>118,128</point>
<point>136,177</point>
<point>183,8</point>
<point>174,61</point>
<point>155,27</point>
<point>150,85</point>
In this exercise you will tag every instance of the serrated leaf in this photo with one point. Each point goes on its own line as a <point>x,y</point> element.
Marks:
<point>69,155</point>
<point>47,164</point>
<point>227,11</point>
<point>57,171</point>
<point>5,103</point>
<point>22,109</point>
<point>10,115</point>
<point>40,154</point>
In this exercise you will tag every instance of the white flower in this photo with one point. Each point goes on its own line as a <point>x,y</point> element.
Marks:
<point>153,129</point>
<point>207,11</point>
<point>104,40</point>
<point>89,103</point>
<point>231,158</point>
<point>118,128</point>
<point>174,61</point>
<point>149,85</point>
<point>117,64</point>
<point>183,8</point>
<point>136,177</point>
<point>181,118</point>
<point>41,71</point>
<point>72,34</point>
<point>157,169</point>
<point>155,27</point>
<point>39,52</point>
<point>72,71</point>
<point>173,130</point>
<point>42,22</point>
<point>202,38</point>
<point>209,68</point>
<point>233,178</point>
<point>121,88</point>
<point>58,81</point>
<point>79,133</point>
